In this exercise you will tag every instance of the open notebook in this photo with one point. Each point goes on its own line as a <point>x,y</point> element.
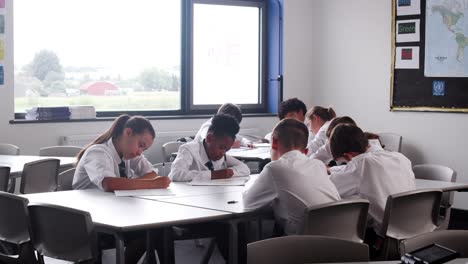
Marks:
<point>234,181</point>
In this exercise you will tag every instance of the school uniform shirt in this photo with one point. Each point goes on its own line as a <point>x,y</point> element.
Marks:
<point>191,160</point>
<point>201,134</point>
<point>324,152</point>
<point>374,175</point>
<point>294,172</point>
<point>102,160</point>
<point>319,139</point>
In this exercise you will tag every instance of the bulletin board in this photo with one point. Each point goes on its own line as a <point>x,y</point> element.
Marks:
<point>429,55</point>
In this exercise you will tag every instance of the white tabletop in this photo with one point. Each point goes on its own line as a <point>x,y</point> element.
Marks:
<point>230,202</point>
<point>126,213</point>
<point>16,162</point>
<point>182,189</point>
<point>445,186</point>
<point>259,154</point>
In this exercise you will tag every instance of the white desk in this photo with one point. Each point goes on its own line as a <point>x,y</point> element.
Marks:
<point>16,162</point>
<point>445,186</point>
<point>117,215</point>
<point>182,189</point>
<point>251,154</point>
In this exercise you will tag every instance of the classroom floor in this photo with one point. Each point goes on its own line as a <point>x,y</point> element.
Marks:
<point>185,252</point>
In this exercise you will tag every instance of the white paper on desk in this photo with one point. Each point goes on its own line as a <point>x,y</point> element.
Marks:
<point>145,192</point>
<point>234,181</point>
<point>261,145</point>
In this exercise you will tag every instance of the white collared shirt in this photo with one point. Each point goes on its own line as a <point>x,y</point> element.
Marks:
<point>296,173</point>
<point>374,176</point>
<point>102,160</point>
<point>318,140</point>
<point>190,164</point>
<point>324,152</point>
<point>201,134</point>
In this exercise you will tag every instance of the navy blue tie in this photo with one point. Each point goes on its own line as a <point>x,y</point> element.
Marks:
<point>122,169</point>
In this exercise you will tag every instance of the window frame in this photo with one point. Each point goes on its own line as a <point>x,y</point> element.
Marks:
<point>186,74</point>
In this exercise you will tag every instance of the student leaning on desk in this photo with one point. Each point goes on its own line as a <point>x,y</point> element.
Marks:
<point>114,161</point>
<point>206,159</point>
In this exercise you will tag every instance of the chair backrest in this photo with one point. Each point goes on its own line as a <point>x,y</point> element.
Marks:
<point>13,218</point>
<point>411,213</point>
<point>40,176</point>
<point>306,249</point>
<point>60,151</point>
<point>169,148</point>
<point>345,219</point>
<point>4,178</point>
<point>437,173</point>
<point>453,239</point>
<point>164,168</point>
<point>390,141</point>
<point>9,149</point>
<point>62,233</point>
<point>65,180</point>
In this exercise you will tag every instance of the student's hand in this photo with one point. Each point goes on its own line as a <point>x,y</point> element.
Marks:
<point>251,145</point>
<point>161,182</point>
<point>237,144</point>
<point>222,174</point>
<point>328,170</point>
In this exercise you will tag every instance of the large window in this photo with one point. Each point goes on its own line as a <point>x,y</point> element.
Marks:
<point>147,56</point>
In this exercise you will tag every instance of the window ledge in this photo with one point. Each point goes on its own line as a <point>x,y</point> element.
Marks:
<point>101,119</point>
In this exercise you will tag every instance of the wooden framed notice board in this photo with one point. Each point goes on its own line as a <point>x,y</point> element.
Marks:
<point>429,55</point>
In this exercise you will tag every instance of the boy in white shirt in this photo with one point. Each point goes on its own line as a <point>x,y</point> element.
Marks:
<point>291,108</point>
<point>290,170</point>
<point>207,159</point>
<point>368,174</point>
<point>226,109</point>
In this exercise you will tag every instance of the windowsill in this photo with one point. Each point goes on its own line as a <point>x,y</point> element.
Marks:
<point>101,119</point>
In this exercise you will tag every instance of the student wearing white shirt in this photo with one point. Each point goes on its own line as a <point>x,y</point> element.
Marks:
<point>372,175</point>
<point>293,171</point>
<point>207,159</point>
<point>227,109</point>
<point>291,108</point>
<point>318,119</point>
<point>324,152</point>
<point>114,161</point>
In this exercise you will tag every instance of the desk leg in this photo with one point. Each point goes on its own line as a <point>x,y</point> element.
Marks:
<point>119,249</point>
<point>233,240</point>
<point>150,256</point>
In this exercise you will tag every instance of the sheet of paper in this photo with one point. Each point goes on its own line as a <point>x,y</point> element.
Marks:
<point>408,7</point>
<point>407,58</point>
<point>407,30</point>
<point>234,181</point>
<point>145,192</point>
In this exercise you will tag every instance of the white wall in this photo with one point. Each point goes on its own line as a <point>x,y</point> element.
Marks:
<point>344,50</point>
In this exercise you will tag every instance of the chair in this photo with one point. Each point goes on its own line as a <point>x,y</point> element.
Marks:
<point>60,151</point>
<point>439,173</point>
<point>40,176</point>
<point>4,178</point>
<point>169,148</point>
<point>327,219</point>
<point>406,215</point>
<point>163,168</point>
<point>63,233</point>
<point>390,141</point>
<point>14,229</point>
<point>9,149</point>
<point>65,180</point>
<point>306,249</point>
<point>453,239</point>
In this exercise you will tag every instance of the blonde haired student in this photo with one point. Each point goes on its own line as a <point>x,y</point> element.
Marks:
<point>318,119</point>
<point>114,161</point>
<point>293,171</point>
<point>372,175</point>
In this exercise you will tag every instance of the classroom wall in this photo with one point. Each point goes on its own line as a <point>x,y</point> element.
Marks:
<point>345,49</point>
